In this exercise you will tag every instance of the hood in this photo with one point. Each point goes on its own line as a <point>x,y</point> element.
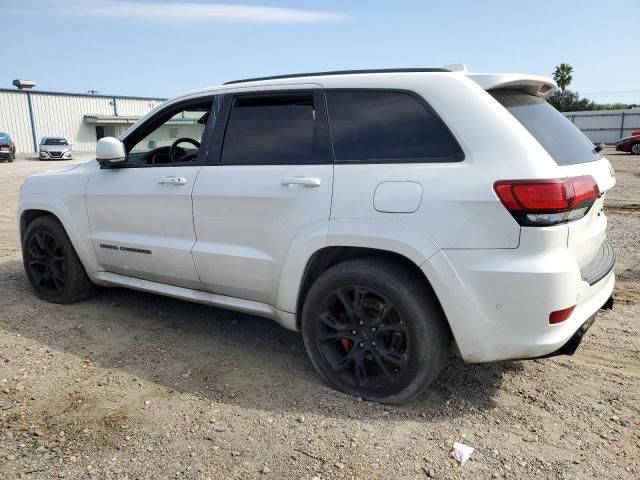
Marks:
<point>55,148</point>
<point>57,171</point>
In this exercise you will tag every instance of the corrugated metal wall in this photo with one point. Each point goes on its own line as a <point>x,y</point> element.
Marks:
<point>14,120</point>
<point>58,114</point>
<point>606,126</point>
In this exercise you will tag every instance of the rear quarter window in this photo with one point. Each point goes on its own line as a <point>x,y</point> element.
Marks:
<point>373,126</point>
<point>562,140</point>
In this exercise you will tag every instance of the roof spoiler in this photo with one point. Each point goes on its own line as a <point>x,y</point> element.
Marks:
<point>533,84</point>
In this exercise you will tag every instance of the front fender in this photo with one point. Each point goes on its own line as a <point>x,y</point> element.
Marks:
<point>63,197</point>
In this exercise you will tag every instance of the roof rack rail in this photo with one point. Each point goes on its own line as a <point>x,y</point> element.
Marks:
<point>341,72</point>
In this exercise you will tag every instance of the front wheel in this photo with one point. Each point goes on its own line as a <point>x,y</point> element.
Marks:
<point>51,263</point>
<point>373,329</point>
<point>635,149</point>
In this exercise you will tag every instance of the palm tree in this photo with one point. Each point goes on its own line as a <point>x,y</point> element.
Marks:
<point>562,76</point>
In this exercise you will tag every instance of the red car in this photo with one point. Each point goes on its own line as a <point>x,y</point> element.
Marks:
<point>629,144</point>
<point>7,148</point>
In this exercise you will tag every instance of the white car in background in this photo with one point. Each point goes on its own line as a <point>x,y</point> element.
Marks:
<point>391,216</point>
<point>54,148</point>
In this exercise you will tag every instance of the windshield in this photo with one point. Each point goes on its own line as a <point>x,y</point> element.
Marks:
<point>55,141</point>
<point>4,138</point>
<point>559,137</point>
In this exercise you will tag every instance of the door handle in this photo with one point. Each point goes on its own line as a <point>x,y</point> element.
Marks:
<point>172,181</point>
<point>307,182</point>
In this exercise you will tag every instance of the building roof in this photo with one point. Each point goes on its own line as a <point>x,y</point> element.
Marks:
<point>70,94</point>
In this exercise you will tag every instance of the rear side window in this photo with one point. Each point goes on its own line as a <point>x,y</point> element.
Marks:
<point>275,129</point>
<point>369,126</point>
<point>559,137</point>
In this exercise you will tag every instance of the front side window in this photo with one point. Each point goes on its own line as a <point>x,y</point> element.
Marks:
<point>273,129</point>
<point>387,126</point>
<point>173,136</point>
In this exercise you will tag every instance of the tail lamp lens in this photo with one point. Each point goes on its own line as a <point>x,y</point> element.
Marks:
<point>560,316</point>
<point>547,202</point>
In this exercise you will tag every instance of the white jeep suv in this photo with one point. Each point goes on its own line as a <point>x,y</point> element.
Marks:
<point>391,216</point>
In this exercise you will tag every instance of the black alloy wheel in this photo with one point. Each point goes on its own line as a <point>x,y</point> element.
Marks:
<point>373,328</point>
<point>363,337</point>
<point>51,263</point>
<point>45,260</point>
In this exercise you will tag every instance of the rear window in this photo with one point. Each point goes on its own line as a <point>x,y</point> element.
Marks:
<point>559,137</point>
<point>387,126</point>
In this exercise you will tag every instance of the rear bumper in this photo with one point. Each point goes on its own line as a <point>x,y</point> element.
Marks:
<point>498,302</point>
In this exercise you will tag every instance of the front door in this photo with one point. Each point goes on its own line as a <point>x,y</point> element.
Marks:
<point>271,178</point>
<point>141,214</point>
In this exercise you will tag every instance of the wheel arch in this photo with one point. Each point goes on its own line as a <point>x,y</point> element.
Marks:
<point>28,216</point>
<point>29,212</point>
<point>327,257</point>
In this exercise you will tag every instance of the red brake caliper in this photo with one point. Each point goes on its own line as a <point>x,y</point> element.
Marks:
<point>346,344</point>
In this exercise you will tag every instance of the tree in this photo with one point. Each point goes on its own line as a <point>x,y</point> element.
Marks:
<point>570,101</point>
<point>566,100</point>
<point>562,76</point>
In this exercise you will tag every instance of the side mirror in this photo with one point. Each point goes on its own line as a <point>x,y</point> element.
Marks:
<point>110,151</point>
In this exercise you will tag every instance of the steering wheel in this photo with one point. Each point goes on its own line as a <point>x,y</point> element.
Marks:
<point>174,148</point>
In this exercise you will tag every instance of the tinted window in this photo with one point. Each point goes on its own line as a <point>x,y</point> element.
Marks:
<point>271,130</point>
<point>387,126</point>
<point>559,137</point>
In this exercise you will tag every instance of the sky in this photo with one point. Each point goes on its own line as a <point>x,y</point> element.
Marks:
<point>161,48</point>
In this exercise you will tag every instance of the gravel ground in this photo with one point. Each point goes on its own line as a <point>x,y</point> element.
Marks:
<point>134,386</point>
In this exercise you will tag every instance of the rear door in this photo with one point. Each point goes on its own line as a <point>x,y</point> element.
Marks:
<point>270,177</point>
<point>575,154</point>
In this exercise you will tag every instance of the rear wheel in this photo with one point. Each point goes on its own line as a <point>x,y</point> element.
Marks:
<point>635,148</point>
<point>373,329</point>
<point>52,265</point>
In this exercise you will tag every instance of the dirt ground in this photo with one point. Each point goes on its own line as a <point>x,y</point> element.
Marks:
<point>135,386</point>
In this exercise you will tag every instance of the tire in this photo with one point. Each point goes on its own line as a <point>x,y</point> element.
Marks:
<point>52,265</point>
<point>635,149</point>
<point>373,329</point>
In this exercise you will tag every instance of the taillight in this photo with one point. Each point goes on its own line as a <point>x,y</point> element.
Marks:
<point>547,202</point>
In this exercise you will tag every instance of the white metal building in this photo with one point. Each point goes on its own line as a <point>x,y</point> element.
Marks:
<point>29,115</point>
<point>606,126</point>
